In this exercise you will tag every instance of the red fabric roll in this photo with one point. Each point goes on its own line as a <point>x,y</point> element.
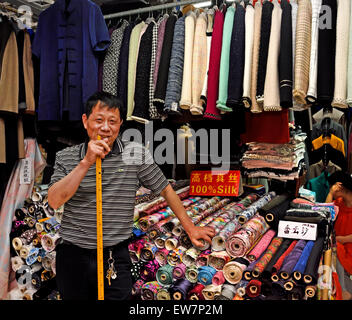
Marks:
<point>197,290</point>
<point>211,111</point>
<point>253,284</point>
<point>278,264</point>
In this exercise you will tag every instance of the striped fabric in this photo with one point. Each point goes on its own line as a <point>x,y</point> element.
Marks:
<point>127,164</point>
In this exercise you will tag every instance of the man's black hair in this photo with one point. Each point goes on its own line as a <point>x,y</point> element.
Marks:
<point>340,176</point>
<point>107,99</point>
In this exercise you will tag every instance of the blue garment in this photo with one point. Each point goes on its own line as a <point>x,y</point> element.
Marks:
<point>67,44</point>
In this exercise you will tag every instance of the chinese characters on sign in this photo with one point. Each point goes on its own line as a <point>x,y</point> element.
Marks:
<point>26,171</point>
<point>208,183</point>
<point>297,230</point>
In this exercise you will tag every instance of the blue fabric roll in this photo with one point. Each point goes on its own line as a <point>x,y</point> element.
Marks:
<point>291,260</point>
<point>302,261</point>
<point>206,274</point>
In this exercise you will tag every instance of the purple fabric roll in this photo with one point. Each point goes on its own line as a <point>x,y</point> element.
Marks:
<point>291,260</point>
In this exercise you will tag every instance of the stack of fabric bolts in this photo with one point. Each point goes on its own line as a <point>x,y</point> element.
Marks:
<point>246,260</point>
<point>275,161</point>
<point>34,236</point>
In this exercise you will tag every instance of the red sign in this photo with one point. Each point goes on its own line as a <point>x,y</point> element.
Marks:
<point>215,183</point>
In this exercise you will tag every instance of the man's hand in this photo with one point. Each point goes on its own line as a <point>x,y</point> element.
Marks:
<point>96,148</point>
<point>198,233</point>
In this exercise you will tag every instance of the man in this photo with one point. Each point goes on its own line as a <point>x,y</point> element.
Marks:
<point>73,184</point>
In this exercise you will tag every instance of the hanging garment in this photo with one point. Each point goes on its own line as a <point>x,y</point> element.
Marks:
<point>302,54</point>
<point>263,50</point>
<point>326,56</point>
<point>210,18</point>
<point>66,45</point>
<point>186,93</point>
<point>316,169</point>
<point>111,60</point>
<point>249,41</point>
<point>332,140</point>
<point>255,107</point>
<point>237,59</point>
<point>225,59</point>
<point>349,67</point>
<point>153,112</point>
<point>211,111</point>
<point>312,89</point>
<point>141,95</point>
<point>260,127</point>
<point>285,56</point>
<point>341,58</point>
<point>336,115</point>
<point>132,66</point>
<point>271,85</point>
<point>294,6</point>
<point>174,83</point>
<point>161,34</point>
<point>122,76</point>
<point>5,31</point>
<point>199,65</point>
<point>28,74</point>
<point>164,64</point>
<point>9,81</point>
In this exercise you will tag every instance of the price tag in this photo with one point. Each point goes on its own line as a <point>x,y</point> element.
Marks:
<point>297,230</point>
<point>26,171</point>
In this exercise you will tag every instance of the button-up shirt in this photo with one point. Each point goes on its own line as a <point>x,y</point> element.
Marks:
<point>67,42</point>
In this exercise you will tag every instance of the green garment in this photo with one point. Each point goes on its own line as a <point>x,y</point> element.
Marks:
<point>320,186</point>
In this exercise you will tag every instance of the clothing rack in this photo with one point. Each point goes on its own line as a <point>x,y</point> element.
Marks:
<point>152,8</point>
<point>8,8</point>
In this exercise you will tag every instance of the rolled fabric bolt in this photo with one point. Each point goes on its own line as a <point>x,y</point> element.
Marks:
<point>262,245</point>
<point>160,241</point>
<point>218,278</point>
<point>179,271</point>
<point>16,263</point>
<point>185,241</point>
<point>206,274</point>
<point>192,273</point>
<point>163,294</point>
<point>148,252</point>
<point>175,256</point>
<point>210,291</point>
<point>164,275</point>
<point>32,256</point>
<point>36,197</point>
<point>233,271</point>
<point>241,287</point>
<point>310,291</point>
<point>275,277</point>
<point>190,256</point>
<point>161,256</point>
<point>253,288</point>
<point>297,293</point>
<point>24,251</point>
<point>36,241</point>
<point>196,292</point>
<point>17,243</point>
<point>49,242</point>
<point>291,260</point>
<point>149,290</point>
<point>218,259</point>
<point>289,285</point>
<point>228,291</point>
<point>53,262</point>
<point>137,286</point>
<point>202,259</point>
<point>302,261</point>
<point>46,262</point>
<point>180,289</point>
<point>171,243</point>
<point>177,230</point>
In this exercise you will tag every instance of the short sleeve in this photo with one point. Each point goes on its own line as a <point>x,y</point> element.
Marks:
<point>150,175</point>
<point>59,170</point>
<point>98,31</point>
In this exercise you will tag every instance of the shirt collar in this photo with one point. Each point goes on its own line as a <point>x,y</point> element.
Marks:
<point>117,148</point>
<point>62,4</point>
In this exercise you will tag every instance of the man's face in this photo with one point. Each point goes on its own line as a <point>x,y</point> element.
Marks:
<point>104,122</point>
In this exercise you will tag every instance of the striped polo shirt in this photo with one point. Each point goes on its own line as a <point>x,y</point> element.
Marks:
<point>127,165</point>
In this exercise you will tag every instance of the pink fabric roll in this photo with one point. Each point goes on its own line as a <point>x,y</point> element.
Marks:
<point>218,278</point>
<point>261,246</point>
<point>211,111</point>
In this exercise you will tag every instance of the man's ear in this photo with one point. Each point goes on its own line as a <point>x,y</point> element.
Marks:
<point>84,120</point>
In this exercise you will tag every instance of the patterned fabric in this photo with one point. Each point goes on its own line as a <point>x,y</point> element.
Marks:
<point>149,290</point>
<point>111,60</point>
